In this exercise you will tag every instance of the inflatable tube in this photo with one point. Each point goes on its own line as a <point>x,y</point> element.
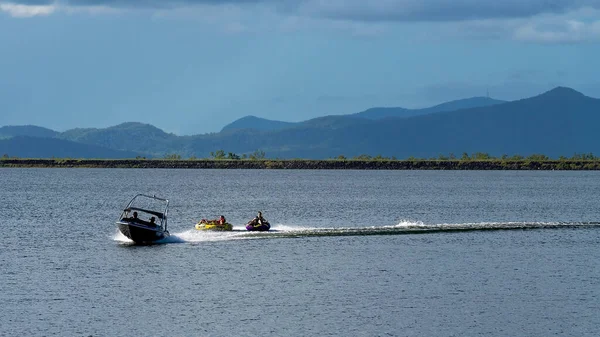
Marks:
<point>265,226</point>
<point>214,227</point>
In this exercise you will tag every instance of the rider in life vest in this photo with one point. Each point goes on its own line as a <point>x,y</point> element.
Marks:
<point>259,220</point>
<point>220,221</point>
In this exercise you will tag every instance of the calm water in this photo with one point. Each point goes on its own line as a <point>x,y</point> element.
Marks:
<point>354,253</point>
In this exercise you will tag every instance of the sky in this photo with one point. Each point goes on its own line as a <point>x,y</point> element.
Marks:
<point>193,66</point>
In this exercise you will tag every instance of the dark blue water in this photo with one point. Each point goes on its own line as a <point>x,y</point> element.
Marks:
<point>353,253</point>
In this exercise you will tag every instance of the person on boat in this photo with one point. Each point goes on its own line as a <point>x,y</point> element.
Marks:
<point>152,221</point>
<point>134,217</point>
<point>221,220</point>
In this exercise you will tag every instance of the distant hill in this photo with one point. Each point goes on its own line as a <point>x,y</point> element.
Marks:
<point>26,130</point>
<point>36,147</point>
<point>256,123</point>
<point>331,122</point>
<point>137,137</point>
<point>379,113</point>
<point>467,103</point>
<point>559,122</point>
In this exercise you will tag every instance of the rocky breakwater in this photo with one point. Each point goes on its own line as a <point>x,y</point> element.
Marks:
<point>308,164</point>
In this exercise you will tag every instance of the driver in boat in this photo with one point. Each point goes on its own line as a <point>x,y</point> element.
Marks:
<point>134,217</point>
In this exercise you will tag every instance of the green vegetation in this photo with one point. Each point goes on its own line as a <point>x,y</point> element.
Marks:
<point>172,157</point>
<point>218,155</point>
<point>257,155</point>
<point>536,162</point>
<point>257,160</point>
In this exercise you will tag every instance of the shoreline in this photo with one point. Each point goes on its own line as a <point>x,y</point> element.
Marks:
<point>301,164</point>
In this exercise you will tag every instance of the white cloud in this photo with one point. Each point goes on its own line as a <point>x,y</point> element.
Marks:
<point>89,9</point>
<point>568,31</point>
<point>435,10</point>
<point>356,10</point>
<point>26,11</point>
<point>580,26</point>
<point>539,21</point>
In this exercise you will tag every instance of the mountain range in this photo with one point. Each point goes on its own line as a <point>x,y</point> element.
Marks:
<point>253,122</point>
<point>558,122</point>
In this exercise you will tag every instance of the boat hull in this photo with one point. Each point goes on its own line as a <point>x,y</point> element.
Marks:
<point>213,227</point>
<point>140,233</point>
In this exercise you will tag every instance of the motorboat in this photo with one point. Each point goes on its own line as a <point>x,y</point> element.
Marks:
<point>144,219</point>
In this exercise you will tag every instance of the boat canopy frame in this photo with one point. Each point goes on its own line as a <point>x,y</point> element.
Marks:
<point>161,215</point>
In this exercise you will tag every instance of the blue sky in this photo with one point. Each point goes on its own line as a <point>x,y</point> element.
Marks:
<point>192,66</point>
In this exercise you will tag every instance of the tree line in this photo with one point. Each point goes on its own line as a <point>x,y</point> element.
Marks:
<point>464,157</point>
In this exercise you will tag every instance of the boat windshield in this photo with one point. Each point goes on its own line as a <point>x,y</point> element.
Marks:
<point>136,209</point>
<point>142,216</point>
<point>146,210</point>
